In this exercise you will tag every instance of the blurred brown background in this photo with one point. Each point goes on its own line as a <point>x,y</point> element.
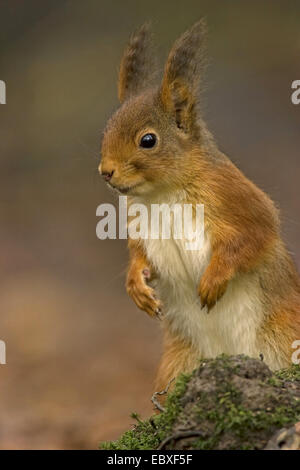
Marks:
<point>80,356</point>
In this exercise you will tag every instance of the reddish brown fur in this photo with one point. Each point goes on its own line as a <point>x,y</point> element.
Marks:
<point>137,289</point>
<point>242,221</point>
<point>178,357</point>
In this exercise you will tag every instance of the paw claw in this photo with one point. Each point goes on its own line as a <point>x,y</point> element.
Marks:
<point>142,294</point>
<point>210,292</point>
<point>158,312</point>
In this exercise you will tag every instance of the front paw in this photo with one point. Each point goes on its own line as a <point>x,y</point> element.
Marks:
<point>142,294</point>
<point>210,290</point>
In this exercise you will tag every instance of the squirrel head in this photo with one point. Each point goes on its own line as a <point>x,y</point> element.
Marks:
<point>148,141</point>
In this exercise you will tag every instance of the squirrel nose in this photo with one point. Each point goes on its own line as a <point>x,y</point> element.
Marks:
<point>107,175</point>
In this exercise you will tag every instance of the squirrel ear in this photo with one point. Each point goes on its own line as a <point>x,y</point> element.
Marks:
<point>137,64</point>
<point>183,72</point>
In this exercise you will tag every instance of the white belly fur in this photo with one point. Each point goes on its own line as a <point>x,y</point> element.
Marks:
<point>230,327</point>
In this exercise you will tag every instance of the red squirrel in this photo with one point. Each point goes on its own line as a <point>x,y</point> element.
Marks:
<point>239,293</point>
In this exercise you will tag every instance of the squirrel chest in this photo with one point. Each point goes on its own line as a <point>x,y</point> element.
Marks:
<point>230,327</point>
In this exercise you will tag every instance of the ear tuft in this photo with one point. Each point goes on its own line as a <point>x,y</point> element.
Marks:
<point>137,64</point>
<point>183,74</point>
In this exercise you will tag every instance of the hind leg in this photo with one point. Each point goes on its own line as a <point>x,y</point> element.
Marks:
<point>178,357</point>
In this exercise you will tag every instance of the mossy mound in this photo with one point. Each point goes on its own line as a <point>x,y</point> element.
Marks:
<point>231,402</point>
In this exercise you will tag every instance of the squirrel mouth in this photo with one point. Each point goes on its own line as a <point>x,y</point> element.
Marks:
<point>123,189</point>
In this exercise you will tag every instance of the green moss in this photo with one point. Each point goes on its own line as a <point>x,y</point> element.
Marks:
<point>243,424</point>
<point>149,433</point>
<point>228,417</point>
<point>291,374</point>
<point>274,381</point>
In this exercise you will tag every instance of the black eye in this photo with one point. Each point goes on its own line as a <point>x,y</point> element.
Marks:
<point>148,141</point>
